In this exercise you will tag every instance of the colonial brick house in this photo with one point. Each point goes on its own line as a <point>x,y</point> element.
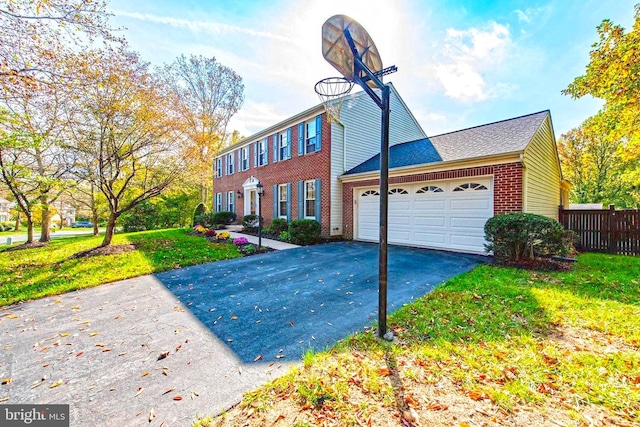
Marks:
<point>442,188</point>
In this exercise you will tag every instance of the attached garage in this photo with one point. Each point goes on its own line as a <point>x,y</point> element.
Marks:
<point>444,188</point>
<point>440,214</point>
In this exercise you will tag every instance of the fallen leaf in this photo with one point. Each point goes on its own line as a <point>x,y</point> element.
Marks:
<point>168,391</point>
<point>177,397</point>
<point>463,424</point>
<point>258,357</point>
<point>56,384</point>
<point>80,354</point>
<point>291,324</point>
<point>140,390</point>
<point>280,417</point>
<point>151,415</point>
<point>99,344</point>
<point>476,296</point>
<point>240,370</point>
<point>12,316</point>
<point>279,356</point>
<point>194,394</point>
<point>75,307</point>
<point>163,355</point>
<point>384,372</point>
<point>64,334</point>
<point>475,395</point>
<point>6,381</point>
<point>178,347</point>
<point>4,399</point>
<point>229,339</point>
<point>93,334</point>
<point>144,374</point>
<point>234,317</point>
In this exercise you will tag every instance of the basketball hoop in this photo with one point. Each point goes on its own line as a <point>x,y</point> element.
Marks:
<point>331,92</point>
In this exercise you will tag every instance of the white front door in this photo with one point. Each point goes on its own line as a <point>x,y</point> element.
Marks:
<point>443,214</point>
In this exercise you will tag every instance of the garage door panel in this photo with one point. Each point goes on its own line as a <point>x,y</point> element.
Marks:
<point>399,220</point>
<point>470,203</point>
<point>422,205</point>
<point>429,238</point>
<point>467,242</point>
<point>429,221</point>
<point>467,222</point>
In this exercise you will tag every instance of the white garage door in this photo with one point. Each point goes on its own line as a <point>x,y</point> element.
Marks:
<point>444,214</point>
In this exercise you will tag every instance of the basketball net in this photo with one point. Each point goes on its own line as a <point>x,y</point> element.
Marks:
<point>331,92</point>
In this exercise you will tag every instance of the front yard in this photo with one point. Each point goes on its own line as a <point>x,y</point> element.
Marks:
<point>496,346</point>
<point>55,268</point>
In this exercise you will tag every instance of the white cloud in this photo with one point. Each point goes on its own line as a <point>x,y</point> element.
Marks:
<point>532,15</point>
<point>201,26</point>
<point>467,58</point>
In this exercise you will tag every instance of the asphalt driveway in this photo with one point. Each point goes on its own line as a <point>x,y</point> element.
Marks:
<point>164,348</point>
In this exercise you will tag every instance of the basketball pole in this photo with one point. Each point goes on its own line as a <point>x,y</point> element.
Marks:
<point>384,104</point>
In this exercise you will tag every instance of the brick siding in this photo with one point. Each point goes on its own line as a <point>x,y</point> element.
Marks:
<point>298,168</point>
<point>507,193</point>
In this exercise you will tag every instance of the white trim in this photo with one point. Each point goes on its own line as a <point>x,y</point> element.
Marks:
<point>280,186</point>
<point>315,195</point>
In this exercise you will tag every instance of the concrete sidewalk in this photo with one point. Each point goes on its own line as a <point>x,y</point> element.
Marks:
<point>273,244</point>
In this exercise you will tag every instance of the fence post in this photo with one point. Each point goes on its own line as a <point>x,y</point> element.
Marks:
<point>612,221</point>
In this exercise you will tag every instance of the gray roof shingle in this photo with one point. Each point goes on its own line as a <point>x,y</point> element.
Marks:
<point>506,136</point>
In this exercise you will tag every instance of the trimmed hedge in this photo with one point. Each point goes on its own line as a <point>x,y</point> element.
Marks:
<point>304,231</point>
<point>515,236</point>
<point>250,222</point>
<point>224,217</point>
<point>278,225</point>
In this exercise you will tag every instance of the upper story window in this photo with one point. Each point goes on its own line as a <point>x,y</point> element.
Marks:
<point>218,167</point>
<point>230,163</point>
<point>262,152</point>
<point>283,146</point>
<point>311,135</point>
<point>244,158</point>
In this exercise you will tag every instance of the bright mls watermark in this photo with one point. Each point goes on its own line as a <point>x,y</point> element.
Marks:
<point>34,415</point>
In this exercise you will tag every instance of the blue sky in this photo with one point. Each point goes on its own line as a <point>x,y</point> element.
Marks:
<point>460,63</point>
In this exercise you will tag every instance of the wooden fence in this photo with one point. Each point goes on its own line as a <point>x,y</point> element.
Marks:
<point>607,230</point>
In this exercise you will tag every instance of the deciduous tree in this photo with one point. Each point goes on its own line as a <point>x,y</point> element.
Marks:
<point>125,125</point>
<point>208,95</point>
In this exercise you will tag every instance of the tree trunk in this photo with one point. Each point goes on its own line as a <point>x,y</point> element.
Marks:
<point>94,218</point>
<point>18,221</point>
<point>108,233</point>
<point>45,232</point>
<point>29,229</point>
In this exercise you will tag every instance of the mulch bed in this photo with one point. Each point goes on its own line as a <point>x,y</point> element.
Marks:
<point>26,246</point>
<point>106,250</point>
<point>537,264</point>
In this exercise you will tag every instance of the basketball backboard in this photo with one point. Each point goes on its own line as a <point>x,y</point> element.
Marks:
<point>337,50</point>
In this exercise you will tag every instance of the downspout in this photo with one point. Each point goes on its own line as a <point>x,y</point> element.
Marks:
<point>524,184</point>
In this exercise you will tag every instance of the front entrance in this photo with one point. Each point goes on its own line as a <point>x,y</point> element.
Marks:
<point>250,187</point>
<point>253,202</point>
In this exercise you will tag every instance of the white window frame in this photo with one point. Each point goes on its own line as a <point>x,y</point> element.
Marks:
<point>282,203</point>
<point>307,199</point>
<point>307,138</point>
<point>218,202</point>
<point>218,167</point>
<point>230,163</point>
<point>231,204</point>
<point>262,152</point>
<point>244,158</point>
<point>283,142</point>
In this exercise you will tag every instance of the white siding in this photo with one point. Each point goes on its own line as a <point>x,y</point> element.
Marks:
<point>361,118</point>
<point>335,186</point>
<point>542,173</point>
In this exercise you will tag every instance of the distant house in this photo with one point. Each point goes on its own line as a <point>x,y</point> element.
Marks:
<point>442,189</point>
<point>4,209</point>
<point>65,212</point>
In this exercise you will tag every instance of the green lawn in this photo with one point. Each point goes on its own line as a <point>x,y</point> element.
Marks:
<point>38,272</point>
<point>495,346</point>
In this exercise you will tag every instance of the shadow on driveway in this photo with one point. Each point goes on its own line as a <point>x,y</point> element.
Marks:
<point>280,304</point>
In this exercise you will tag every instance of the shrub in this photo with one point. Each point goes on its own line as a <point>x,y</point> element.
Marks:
<point>248,249</point>
<point>206,219</point>
<point>200,229</point>
<point>278,225</point>
<point>250,222</point>
<point>284,236</point>
<point>304,231</point>
<point>199,210</point>
<point>516,235</point>
<point>224,217</point>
